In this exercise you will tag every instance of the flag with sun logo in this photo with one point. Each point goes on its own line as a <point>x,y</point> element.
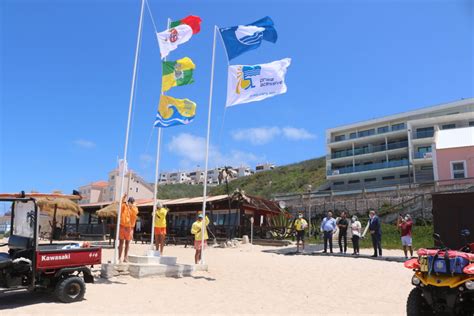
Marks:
<point>254,83</point>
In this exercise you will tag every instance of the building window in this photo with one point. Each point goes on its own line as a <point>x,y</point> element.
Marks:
<point>471,123</point>
<point>370,180</point>
<point>398,127</point>
<point>366,133</point>
<point>338,138</point>
<point>388,178</point>
<point>402,176</point>
<point>354,135</point>
<point>136,190</point>
<point>448,126</point>
<point>424,132</point>
<point>458,169</point>
<point>425,168</point>
<point>339,183</point>
<point>353,181</point>
<point>383,129</point>
<point>425,149</point>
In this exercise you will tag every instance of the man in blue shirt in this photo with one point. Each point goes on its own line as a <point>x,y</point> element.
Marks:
<point>328,227</point>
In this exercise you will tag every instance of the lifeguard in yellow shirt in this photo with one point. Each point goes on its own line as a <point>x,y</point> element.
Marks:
<point>160,227</point>
<point>196,230</point>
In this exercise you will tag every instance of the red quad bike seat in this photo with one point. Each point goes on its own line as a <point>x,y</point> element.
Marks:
<point>451,254</point>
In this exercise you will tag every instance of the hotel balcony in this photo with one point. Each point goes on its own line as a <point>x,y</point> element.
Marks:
<point>366,136</point>
<point>369,150</point>
<point>367,168</point>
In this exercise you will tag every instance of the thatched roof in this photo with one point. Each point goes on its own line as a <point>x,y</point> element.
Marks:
<point>108,211</point>
<point>64,206</point>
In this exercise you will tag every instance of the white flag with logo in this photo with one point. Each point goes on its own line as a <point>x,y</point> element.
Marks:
<point>170,39</point>
<point>254,83</point>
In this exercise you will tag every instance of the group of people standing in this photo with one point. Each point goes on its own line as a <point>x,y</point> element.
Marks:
<point>330,226</point>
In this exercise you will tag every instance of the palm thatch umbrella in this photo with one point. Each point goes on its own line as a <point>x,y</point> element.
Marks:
<point>108,211</point>
<point>58,207</point>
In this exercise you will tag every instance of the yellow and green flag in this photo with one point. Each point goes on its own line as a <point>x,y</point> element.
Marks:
<point>177,73</point>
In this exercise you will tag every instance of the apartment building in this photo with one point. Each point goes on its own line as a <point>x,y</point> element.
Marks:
<point>391,150</point>
<point>106,191</point>
<point>264,167</point>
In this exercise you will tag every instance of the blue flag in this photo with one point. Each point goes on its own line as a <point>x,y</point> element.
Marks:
<point>242,38</point>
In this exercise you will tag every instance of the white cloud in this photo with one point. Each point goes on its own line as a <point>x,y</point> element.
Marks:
<point>84,143</point>
<point>294,133</point>
<point>257,135</point>
<point>192,150</point>
<point>263,135</point>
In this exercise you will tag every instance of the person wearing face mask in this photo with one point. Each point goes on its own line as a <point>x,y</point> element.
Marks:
<point>356,228</point>
<point>405,225</point>
<point>375,229</point>
<point>299,226</point>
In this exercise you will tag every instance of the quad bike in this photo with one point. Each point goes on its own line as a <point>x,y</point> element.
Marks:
<point>30,266</point>
<point>443,280</point>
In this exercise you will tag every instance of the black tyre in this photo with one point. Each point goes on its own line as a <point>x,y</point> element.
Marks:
<point>416,304</point>
<point>71,289</point>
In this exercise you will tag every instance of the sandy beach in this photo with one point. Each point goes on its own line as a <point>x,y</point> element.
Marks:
<point>244,280</point>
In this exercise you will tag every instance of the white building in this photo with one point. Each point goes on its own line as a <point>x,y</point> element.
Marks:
<point>391,150</point>
<point>264,167</point>
<point>106,191</point>
<point>243,171</point>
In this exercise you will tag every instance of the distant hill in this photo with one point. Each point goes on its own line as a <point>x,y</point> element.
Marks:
<point>292,178</point>
<point>285,179</point>
<point>176,191</point>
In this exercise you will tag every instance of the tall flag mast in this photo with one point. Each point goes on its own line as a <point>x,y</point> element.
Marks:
<point>127,134</point>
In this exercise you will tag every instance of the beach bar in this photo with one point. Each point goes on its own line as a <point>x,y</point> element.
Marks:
<point>230,217</point>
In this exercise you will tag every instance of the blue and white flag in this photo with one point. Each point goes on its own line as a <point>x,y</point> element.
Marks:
<point>247,83</point>
<point>242,38</point>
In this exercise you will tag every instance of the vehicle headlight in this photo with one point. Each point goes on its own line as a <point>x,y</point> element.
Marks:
<point>416,281</point>
<point>469,285</point>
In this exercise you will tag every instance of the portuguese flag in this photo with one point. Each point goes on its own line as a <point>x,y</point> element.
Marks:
<point>193,21</point>
<point>177,73</point>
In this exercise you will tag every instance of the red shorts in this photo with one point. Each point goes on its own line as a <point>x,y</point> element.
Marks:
<point>160,230</point>
<point>125,233</point>
<point>198,244</point>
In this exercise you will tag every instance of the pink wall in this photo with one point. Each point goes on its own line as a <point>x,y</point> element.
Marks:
<point>445,156</point>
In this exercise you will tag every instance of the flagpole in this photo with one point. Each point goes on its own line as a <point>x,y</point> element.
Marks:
<point>152,241</point>
<point>206,165</point>
<point>155,194</point>
<point>127,134</point>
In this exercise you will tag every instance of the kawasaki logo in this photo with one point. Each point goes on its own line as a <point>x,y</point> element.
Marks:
<point>55,258</point>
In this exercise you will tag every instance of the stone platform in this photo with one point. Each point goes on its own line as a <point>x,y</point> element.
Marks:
<point>143,266</point>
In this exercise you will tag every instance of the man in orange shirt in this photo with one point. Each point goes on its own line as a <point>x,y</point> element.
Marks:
<point>128,218</point>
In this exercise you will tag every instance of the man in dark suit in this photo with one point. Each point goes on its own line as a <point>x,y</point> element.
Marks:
<point>375,233</point>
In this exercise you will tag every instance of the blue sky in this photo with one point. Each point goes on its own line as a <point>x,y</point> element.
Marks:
<point>66,68</point>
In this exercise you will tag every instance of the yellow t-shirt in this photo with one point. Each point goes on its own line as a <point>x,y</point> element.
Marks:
<point>196,230</point>
<point>160,217</point>
<point>300,224</point>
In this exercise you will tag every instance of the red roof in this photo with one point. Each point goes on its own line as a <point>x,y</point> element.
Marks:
<point>100,184</point>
